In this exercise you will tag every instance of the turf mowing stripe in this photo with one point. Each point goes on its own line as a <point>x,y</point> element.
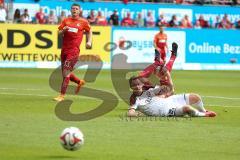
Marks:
<point>33,89</point>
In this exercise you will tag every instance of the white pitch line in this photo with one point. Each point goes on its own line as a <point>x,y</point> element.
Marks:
<point>218,105</point>
<point>24,89</point>
<point>25,94</point>
<point>46,95</point>
<point>42,95</point>
<point>219,97</point>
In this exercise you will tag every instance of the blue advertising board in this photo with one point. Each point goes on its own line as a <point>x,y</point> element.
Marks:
<point>212,46</point>
<point>198,48</point>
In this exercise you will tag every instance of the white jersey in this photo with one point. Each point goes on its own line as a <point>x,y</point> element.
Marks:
<point>146,97</point>
<point>152,105</point>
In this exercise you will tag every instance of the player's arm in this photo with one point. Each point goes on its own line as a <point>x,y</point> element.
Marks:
<point>132,109</point>
<point>63,27</point>
<point>89,39</point>
<point>155,42</point>
<point>160,91</point>
<point>61,31</point>
<point>156,90</point>
<point>132,112</point>
<point>88,31</point>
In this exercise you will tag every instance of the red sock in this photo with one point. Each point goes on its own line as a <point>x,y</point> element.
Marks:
<point>170,63</point>
<point>65,85</point>
<point>148,71</point>
<point>75,79</point>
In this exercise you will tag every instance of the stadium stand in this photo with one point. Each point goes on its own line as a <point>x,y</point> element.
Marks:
<point>96,17</point>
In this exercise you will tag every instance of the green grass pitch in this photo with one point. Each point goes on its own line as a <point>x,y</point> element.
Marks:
<point>29,128</point>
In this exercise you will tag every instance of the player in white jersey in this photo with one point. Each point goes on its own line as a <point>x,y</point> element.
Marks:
<point>150,101</point>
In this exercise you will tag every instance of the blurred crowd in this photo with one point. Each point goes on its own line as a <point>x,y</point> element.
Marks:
<point>97,18</point>
<point>200,2</point>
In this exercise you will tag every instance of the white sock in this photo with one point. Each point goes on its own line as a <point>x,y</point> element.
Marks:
<point>199,114</point>
<point>199,106</point>
<point>195,113</point>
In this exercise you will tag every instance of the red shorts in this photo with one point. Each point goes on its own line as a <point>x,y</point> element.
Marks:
<point>68,61</point>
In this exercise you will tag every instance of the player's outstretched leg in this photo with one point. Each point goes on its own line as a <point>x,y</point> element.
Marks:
<point>174,48</point>
<point>147,71</point>
<point>76,80</point>
<point>187,109</point>
<point>80,84</point>
<point>67,67</point>
<point>196,101</point>
<point>173,57</point>
<point>152,68</point>
<point>63,89</point>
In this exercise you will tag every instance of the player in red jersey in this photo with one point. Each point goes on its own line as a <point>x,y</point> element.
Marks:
<point>160,43</point>
<point>72,29</point>
<point>162,70</point>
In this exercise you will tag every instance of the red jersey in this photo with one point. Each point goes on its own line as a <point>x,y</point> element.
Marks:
<point>160,40</point>
<point>40,17</point>
<point>72,38</point>
<point>127,21</point>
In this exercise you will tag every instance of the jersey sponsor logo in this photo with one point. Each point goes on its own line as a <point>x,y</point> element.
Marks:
<point>71,29</point>
<point>162,41</point>
<point>172,112</point>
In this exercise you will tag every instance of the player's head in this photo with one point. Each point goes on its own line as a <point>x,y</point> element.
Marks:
<point>136,84</point>
<point>75,10</point>
<point>161,29</point>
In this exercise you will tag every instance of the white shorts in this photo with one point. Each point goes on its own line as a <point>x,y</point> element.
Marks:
<point>171,106</point>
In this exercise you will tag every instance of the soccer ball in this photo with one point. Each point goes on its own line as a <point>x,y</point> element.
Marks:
<point>71,139</point>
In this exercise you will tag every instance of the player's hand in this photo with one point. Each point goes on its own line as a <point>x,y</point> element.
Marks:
<point>88,45</point>
<point>131,113</point>
<point>65,28</point>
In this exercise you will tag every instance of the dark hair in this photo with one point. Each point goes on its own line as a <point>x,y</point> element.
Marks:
<point>133,81</point>
<point>17,14</point>
<point>75,4</point>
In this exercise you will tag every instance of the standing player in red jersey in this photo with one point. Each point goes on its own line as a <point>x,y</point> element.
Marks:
<point>72,29</point>
<point>160,44</point>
